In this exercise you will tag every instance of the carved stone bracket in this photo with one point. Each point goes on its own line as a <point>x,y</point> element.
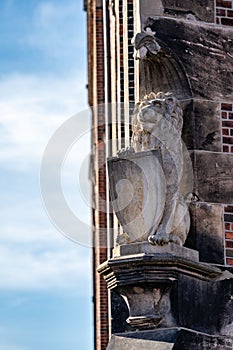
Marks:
<point>155,267</point>
<point>146,45</point>
<point>146,280</point>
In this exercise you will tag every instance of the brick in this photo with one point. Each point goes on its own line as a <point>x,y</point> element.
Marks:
<point>228,209</point>
<point>224,115</point>
<point>228,140</point>
<point>226,106</point>
<point>231,227</point>
<point>227,226</point>
<point>220,12</point>
<point>229,235</point>
<point>227,123</point>
<point>227,21</point>
<point>229,261</point>
<point>226,132</point>
<point>229,13</point>
<point>228,217</point>
<point>217,20</point>
<point>226,148</point>
<point>229,244</point>
<point>229,253</point>
<point>231,132</point>
<point>230,115</point>
<point>223,3</point>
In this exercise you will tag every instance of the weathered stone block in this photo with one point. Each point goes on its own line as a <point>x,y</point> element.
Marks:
<point>169,339</point>
<point>207,234</point>
<point>205,306</point>
<point>200,10</point>
<point>197,341</point>
<point>207,135</point>
<point>213,176</point>
<point>202,128</point>
<point>118,342</point>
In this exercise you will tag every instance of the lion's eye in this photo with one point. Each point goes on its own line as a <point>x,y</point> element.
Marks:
<point>157,104</point>
<point>170,101</point>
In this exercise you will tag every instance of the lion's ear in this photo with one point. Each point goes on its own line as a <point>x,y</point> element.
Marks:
<point>160,95</point>
<point>170,101</point>
<point>151,96</point>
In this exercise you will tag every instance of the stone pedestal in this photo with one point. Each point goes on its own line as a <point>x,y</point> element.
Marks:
<point>173,298</point>
<point>169,339</point>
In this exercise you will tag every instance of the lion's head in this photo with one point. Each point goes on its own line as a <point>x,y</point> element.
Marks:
<point>153,107</point>
<point>156,116</point>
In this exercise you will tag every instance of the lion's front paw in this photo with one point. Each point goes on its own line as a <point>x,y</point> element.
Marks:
<point>125,152</point>
<point>159,238</point>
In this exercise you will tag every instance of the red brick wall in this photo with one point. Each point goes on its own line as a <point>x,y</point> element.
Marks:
<point>227,147</point>
<point>96,64</point>
<point>224,16</point>
<point>121,51</point>
<point>227,127</point>
<point>228,218</point>
<point>224,12</point>
<point>130,9</point>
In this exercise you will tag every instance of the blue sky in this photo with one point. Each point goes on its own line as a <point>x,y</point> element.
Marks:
<point>45,278</point>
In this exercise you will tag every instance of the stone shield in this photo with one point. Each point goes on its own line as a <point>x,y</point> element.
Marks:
<point>138,192</point>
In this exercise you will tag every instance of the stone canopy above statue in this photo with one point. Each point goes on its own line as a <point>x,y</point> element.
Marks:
<point>178,65</point>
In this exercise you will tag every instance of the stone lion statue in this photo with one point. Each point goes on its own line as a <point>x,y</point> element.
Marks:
<point>157,124</point>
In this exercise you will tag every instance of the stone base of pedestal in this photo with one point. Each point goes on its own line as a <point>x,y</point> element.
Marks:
<point>169,339</point>
<point>172,297</point>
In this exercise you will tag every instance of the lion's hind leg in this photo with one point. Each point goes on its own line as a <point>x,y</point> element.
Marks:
<point>181,224</point>
<point>175,239</point>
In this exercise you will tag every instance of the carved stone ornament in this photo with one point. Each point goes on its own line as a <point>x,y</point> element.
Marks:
<point>148,281</point>
<point>145,44</point>
<point>145,179</point>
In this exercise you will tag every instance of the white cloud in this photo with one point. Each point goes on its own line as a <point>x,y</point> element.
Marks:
<point>19,235</point>
<point>44,270</point>
<point>25,219</point>
<point>33,255</point>
<point>31,108</point>
<point>51,33</point>
<point>47,12</point>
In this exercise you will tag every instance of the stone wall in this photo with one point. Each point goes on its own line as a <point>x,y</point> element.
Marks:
<point>205,51</point>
